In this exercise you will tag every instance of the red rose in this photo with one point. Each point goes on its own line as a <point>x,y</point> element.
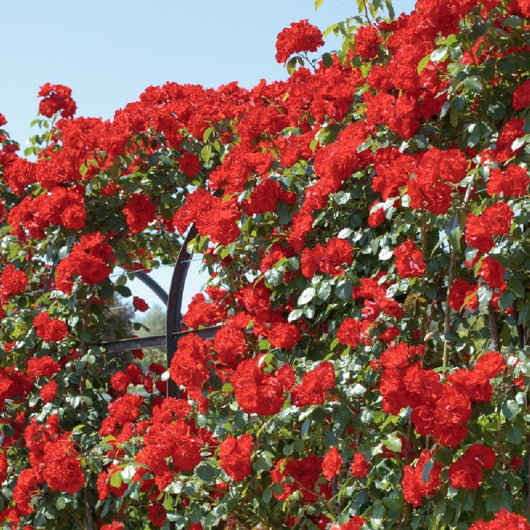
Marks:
<point>305,473</point>
<point>234,456</point>
<point>463,295</point>
<point>260,392</point>
<point>315,385</point>
<point>468,471</point>
<point>115,525</point>
<point>12,281</point>
<point>497,218</point>
<point>491,364</point>
<point>332,463</point>
<point>298,37</point>
<point>349,332</point>
<point>48,392</point>
<point>3,467</point>
<point>140,304</point>
<point>409,260</point>
<point>126,408</point>
<point>189,164</point>
<point>62,467</point>
<point>56,98</point>
<point>493,273</point>
<point>157,514</point>
<point>139,212</point>
<point>415,488</point>
<point>283,335</point>
<point>367,42</point>
<point>44,365</point>
<point>359,466</point>
<point>521,96</point>
<point>513,182</point>
<point>504,520</point>
<point>355,523</point>
<point>50,329</point>
<point>478,234</point>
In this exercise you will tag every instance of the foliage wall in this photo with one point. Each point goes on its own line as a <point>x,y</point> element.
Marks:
<point>365,227</point>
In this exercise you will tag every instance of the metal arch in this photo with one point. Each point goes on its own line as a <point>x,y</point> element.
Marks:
<point>174,304</point>
<point>153,285</point>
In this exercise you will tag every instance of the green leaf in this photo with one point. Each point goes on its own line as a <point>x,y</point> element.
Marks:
<point>390,9</point>
<point>123,290</point>
<point>267,494</point>
<point>453,117</point>
<point>309,311</point>
<point>510,409</point>
<point>115,480</point>
<point>474,83</point>
<point>517,288</point>
<point>494,503</point>
<point>327,59</point>
<point>343,290</point>
<point>206,473</point>
<point>128,473</point>
<point>206,153</point>
<point>497,110</point>
<point>324,290</point>
<point>295,315</point>
<point>306,296</point>
<point>305,428</point>
<point>506,300</point>
<point>514,435</point>
<point>459,104</point>
<point>438,55</point>
<point>318,3</point>
<point>423,63</point>
<point>393,442</point>
<point>291,65</point>
<point>330,439</point>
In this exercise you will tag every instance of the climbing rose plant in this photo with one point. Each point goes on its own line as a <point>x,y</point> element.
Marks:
<point>365,227</point>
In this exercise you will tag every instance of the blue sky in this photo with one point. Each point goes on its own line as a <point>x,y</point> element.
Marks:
<point>109,51</point>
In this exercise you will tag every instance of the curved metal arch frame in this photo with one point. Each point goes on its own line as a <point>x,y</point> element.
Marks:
<point>174,323</point>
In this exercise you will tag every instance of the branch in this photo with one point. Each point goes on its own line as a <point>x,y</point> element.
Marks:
<point>494,328</point>
<point>88,511</point>
<point>447,308</point>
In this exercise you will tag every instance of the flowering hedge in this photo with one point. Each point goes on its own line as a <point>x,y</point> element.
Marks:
<point>365,227</point>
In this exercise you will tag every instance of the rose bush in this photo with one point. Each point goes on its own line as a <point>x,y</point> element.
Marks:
<point>365,226</point>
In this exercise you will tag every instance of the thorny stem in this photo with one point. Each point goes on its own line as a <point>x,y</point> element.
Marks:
<point>49,278</point>
<point>424,236</point>
<point>402,511</point>
<point>521,330</point>
<point>528,494</point>
<point>494,328</point>
<point>452,267</point>
<point>366,12</point>
<point>309,61</point>
<point>447,309</point>
<point>88,510</point>
<point>84,327</point>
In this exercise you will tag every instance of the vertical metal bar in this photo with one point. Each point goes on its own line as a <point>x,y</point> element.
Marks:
<point>174,304</point>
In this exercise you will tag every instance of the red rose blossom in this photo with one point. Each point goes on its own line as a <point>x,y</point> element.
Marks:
<point>234,456</point>
<point>50,329</point>
<point>298,37</point>
<point>332,463</point>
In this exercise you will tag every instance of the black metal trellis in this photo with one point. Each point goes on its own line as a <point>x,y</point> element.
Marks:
<point>173,303</point>
<point>174,322</point>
